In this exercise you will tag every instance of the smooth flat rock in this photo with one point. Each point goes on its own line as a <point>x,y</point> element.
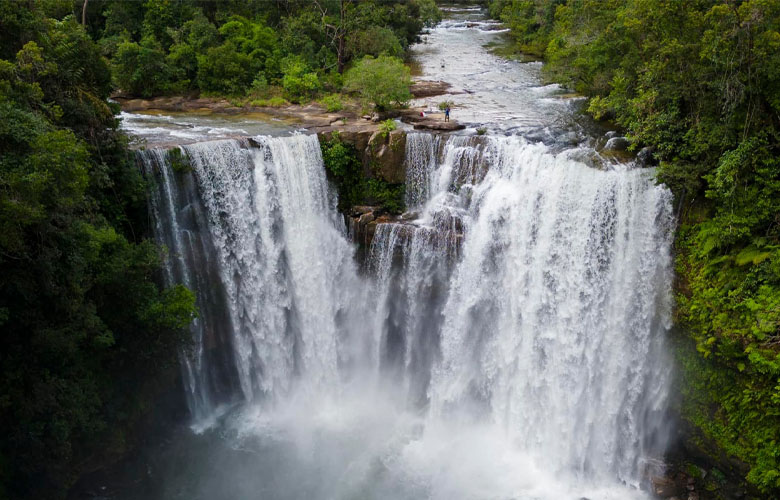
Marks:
<point>430,124</point>
<point>426,88</point>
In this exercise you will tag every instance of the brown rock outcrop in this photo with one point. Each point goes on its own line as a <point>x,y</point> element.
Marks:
<point>382,155</point>
<point>424,88</point>
<point>386,154</point>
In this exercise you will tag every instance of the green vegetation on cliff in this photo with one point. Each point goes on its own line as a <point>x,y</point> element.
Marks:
<point>345,170</point>
<point>88,336</point>
<point>698,81</point>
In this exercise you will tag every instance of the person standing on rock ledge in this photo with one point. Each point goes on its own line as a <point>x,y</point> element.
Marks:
<point>447,113</point>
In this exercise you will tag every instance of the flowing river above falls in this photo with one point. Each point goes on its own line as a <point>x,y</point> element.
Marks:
<point>506,344</point>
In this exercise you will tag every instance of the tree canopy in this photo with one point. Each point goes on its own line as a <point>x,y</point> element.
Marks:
<point>383,81</point>
<point>87,330</point>
<point>222,47</point>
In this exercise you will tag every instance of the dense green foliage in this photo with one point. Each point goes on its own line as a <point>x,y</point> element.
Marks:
<point>346,171</point>
<point>332,103</point>
<point>383,82</point>
<point>87,332</point>
<point>232,48</point>
<point>698,81</point>
<point>386,127</point>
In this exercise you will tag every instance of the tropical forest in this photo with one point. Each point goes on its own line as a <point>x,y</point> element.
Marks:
<point>390,249</point>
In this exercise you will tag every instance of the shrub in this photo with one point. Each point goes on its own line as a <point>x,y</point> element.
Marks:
<point>273,102</point>
<point>333,81</point>
<point>260,85</point>
<point>445,104</point>
<point>299,83</point>
<point>383,81</point>
<point>332,103</point>
<point>344,168</point>
<point>386,127</point>
<point>178,161</point>
<point>429,12</point>
<point>389,196</point>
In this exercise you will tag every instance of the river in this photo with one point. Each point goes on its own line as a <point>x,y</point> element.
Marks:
<point>508,343</point>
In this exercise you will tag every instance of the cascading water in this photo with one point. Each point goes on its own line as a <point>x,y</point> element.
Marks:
<point>508,343</point>
<point>254,231</point>
<point>555,314</point>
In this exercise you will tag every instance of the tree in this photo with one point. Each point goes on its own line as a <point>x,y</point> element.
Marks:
<point>336,27</point>
<point>383,81</point>
<point>224,70</point>
<point>430,14</point>
<point>141,69</point>
<point>374,41</point>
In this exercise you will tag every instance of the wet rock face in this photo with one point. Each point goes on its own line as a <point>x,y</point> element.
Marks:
<point>617,144</point>
<point>382,155</point>
<point>668,487</point>
<point>686,481</point>
<point>386,156</point>
<point>362,222</point>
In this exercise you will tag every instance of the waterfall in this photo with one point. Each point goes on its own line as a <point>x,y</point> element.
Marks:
<point>508,342</point>
<point>550,323</point>
<point>253,229</point>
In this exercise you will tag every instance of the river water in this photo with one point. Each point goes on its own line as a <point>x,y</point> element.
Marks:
<point>507,343</point>
<point>489,90</point>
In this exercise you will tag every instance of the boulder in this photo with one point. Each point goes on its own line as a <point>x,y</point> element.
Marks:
<point>366,218</point>
<point>358,138</point>
<point>359,210</point>
<point>570,138</point>
<point>645,157</point>
<point>617,144</point>
<point>425,88</point>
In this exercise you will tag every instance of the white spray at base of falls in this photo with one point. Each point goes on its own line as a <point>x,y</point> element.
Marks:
<point>507,344</point>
